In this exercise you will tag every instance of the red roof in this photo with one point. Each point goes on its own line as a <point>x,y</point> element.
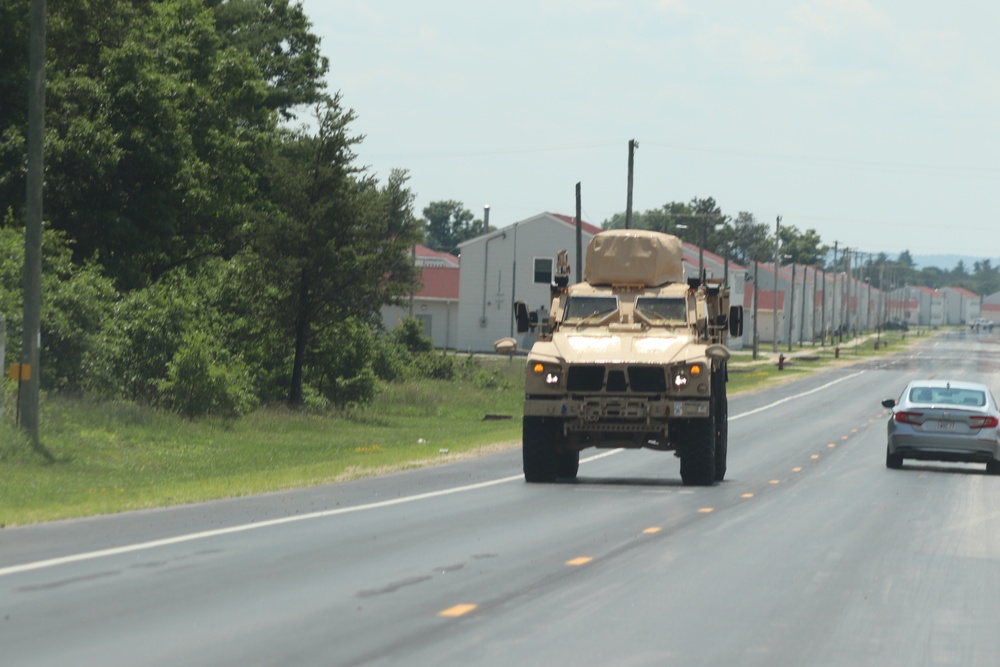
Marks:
<point>571,221</point>
<point>440,282</point>
<point>708,255</point>
<point>964,292</point>
<point>423,252</point>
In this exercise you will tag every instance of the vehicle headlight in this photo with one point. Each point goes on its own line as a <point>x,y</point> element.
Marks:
<point>681,376</point>
<point>549,375</point>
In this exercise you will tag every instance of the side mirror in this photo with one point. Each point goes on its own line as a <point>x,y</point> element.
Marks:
<point>521,315</point>
<point>506,346</point>
<point>736,321</point>
<point>889,403</point>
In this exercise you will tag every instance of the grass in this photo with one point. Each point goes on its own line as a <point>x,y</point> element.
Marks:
<point>747,374</point>
<point>99,458</point>
<point>102,458</point>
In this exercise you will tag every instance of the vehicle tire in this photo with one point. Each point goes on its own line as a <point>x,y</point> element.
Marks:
<point>698,450</point>
<point>538,449</point>
<point>895,461</point>
<point>993,467</point>
<point>721,422</point>
<point>567,463</point>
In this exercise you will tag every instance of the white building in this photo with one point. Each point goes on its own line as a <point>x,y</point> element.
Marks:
<point>435,306</point>
<point>516,263</point>
<point>960,305</point>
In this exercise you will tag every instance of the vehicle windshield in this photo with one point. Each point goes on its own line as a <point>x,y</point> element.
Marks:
<point>948,396</point>
<point>657,310</point>
<point>589,309</point>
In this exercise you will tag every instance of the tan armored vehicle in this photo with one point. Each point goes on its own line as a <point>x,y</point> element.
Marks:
<point>633,357</point>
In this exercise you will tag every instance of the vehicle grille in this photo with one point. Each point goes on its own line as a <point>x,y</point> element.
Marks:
<point>624,379</point>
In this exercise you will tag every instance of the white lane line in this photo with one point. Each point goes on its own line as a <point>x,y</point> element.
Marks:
<point>191,537</point>
<point>792,398</point>
<point>180,539</point>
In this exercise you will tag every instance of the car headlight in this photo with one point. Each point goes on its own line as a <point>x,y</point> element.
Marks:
<point>549,375</point>
<point>683,374</point>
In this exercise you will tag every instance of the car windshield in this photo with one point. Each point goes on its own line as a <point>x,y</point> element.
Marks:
<point>662,310</point>
<point>947,396</point>
<point>584,309</point>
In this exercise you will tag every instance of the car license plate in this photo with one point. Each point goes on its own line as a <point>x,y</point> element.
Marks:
<point>945,426</point>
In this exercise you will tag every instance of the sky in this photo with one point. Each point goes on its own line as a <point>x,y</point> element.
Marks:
<point>874,122</point>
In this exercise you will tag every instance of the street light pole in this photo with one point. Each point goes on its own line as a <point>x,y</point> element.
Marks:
<point>791,310</point>
<point>777,258</point>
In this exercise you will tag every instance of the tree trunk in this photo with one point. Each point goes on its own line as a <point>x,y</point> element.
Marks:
<point>301,338</point>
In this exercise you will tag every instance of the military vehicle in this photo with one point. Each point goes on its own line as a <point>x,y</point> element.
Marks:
<point>634,356</point>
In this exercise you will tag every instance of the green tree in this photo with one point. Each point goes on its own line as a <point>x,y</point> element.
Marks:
<point>801,247</point>
<point>160,118</point>
<point>751,239</point>
<point>76,300</point>
<point>335,246</point>
<point>449,223</point>
<point>276,34</point>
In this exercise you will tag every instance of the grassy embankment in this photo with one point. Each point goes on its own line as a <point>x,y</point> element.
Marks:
<point>104,458</point>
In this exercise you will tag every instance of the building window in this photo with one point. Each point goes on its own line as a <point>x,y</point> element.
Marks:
<point>543,270</point>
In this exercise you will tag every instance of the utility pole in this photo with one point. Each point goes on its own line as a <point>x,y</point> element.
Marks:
<point>791,310</point>
<point>822,313</point>
<point>632,145</point>
<point>777,259</point>
<point>579,236</point>
<point>802,318</point>
<point>834,294</point>
<point>845,297</point>
<point>756,292</point>
<point>32,325</point>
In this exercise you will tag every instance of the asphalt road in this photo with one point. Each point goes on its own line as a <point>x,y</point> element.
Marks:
<point>811,553</point>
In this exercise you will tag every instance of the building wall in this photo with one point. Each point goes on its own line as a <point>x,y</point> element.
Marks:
<point>498,269</point>
<point>439,318</point>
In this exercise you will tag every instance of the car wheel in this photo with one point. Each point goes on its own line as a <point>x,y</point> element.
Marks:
<point>993,467</point>
<point>698,450</point>
<point>538,449</point>
<point>721,423</point>
<point>894,461</point>
<point>567,463</point>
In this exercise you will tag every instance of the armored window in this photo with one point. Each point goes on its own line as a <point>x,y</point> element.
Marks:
<point>589,309</point>
<point>543,270</point>
<point>661,310</point>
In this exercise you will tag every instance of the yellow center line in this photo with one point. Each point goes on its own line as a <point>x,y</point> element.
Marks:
<point>582,560</point>
<point>814,457</point>
<point>775,481</point>
<point>747,495</point>
<point>457,610</point>
<point>706,510</point>
<point>831,445</point>
<point>844,437</point>
<point>796,469</point>
<point>652,530</point>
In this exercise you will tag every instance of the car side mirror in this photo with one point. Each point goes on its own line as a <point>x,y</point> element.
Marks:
<point>736,321</point>
<point>506,346</point>
<point>889,403</point>
<point>521,315</point>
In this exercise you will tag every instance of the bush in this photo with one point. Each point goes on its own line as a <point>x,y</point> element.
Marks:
<point>76,300</point>
<point>410,335</point>
<point>436,365</point>
<point>204,379</point>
